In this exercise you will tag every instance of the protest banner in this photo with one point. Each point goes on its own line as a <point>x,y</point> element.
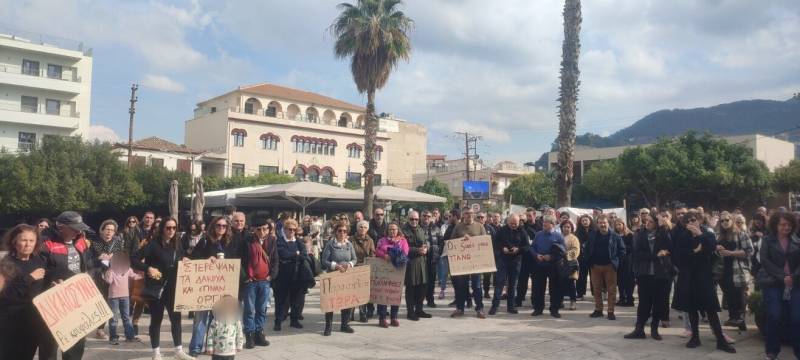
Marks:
<point>386,282</point>
<point>201,283</point>
<point>73,309</point>
<point>344,290</point>
<point>473,256</point>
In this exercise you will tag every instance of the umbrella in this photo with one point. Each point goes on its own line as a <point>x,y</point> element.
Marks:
<point>173,199</point>
<point>199,201</point>
<point>302,194</point>
<point>392,193</point>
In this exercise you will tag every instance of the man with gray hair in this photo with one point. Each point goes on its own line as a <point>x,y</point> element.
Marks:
<point>416,268</point>
<point>544,253</point>
<point>509,245</point>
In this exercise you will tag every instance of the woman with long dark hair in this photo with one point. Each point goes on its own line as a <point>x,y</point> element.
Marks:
<point>585,228</point>
<point>159,260</point>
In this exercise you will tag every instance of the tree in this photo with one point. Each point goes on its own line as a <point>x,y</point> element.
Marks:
<point>532,190</point>
<point>211,183</point>
<point>787,178</point>
<point>568,100</point>
<point>374,35</point>
<point>438,188</point>
<point>603,181</point>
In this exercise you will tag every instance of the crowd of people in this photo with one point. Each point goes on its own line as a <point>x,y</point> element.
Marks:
<point>676,259</point>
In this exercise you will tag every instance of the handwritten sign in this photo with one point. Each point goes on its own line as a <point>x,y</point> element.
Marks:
<point>473,256</point>
<point>386,282</point>
<point>72,309</point>
<point>202,283</point>
<point>344,290</point>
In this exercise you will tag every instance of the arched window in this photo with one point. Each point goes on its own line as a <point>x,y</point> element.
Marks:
<point>313,174</point>
<point>292,112</point>
<point>378,152</point>
<point>312,115</point>
<point>238,137</point>
<point>252,106</point>
<point>345,120</point>
<point>327,175</point>
<point>299,173</point>
<point>329,118</point>
<point>274,109</point>
<point>269,141</point>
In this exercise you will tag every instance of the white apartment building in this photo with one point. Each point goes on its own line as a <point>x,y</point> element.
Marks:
<point>45,88</point>
<point>268,128</point>
<point>154,151</point>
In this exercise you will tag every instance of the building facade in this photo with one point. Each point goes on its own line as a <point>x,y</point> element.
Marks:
<point>45,89</point>
<point>154,151</point>
<point>268,128</point>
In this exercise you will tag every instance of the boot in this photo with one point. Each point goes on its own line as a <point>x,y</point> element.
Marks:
<point>277,326</point>
<point>346,322</point>
<point>637,333</point>
<point>724,346</point>
<point>370,311</point>
<point>328,321</point>
<point>248,340</point>
<point>296,324</point>
<point>654,330</point>
<point>362,314</point>
<point>259,339</point>
<point>382,322</point>
<point>694,341</point>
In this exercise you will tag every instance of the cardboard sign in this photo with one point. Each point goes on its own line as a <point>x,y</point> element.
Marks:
<point>202,283</point>
<point>386,282</point>
<point>473,256</point>
<point>72,309</point>
<point>344,290</point>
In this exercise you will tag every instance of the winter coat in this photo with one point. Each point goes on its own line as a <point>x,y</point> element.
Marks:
<point>616,247</point>
<point>573,250</point>
<point>741,266</point>
<point>644,258</point>
<point>773,258</point>
<point>365,247</point>
<point>416,273</point>
<point>695,290</point>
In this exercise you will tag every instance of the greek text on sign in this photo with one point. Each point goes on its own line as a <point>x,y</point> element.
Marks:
<point>386,282</point>
<point>201,283</point>
<point>473,256</point>
<point>72,309</point>
<point>344,290</point>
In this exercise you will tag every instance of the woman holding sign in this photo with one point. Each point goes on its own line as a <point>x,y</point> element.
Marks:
<point>365,247</point>
<point>159,260</point>
<point>21,327</point>
<point>392,248</point>
<point>339,255</point>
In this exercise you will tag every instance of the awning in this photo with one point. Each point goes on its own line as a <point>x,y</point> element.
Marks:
<point>392,193</point>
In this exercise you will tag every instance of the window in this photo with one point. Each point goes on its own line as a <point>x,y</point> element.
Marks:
<point>54,71</point>
<point>238,139</point>
<point>354,152</point>
<point>376,179</point>
<point>333,150</point>
<point>184,165</point>
<point>299,174</point>
<point>53,107</point>
<point>27,141</point>
<point>29,104</point>
<point>237,169</point>
<point>263,169</point>
<point>271,111</point>
<point>378,155</point>
<point>313,175</point>
<point>298,146</point>
<point>248,108</point>
<point>156,162</point>
<point>327,177</point>
<point>30,67</point>
<point>213,109</point>
<point>269,143</point>
<point>354,178</point>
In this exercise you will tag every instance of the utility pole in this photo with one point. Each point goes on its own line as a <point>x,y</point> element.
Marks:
<point>131,110</point>
<point>470,153</point>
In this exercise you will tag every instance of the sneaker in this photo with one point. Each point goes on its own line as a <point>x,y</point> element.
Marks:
<point>180,355</point>
<point>441,294</point>
<point>480,314</point>
<point>457,313</point>
<point>596,314</point>
<point>114,341</point>
<point>611,316</point>
<point>536,313</point>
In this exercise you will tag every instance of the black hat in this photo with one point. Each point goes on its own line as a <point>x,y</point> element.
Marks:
<point>260,221</point>
<point>597,208</point>
<point>73,220</point>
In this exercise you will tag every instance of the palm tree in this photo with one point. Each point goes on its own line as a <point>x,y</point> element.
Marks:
<point>568,99</point>
<point>374,35</point>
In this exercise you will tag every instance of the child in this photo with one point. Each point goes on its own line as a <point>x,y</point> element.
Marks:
<point>225,335</point>
<point>118,277</point>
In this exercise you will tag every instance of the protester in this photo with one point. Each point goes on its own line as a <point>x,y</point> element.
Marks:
<point>339,255</point>
<point>545,270</point>
<point>365,247</point>
<point>603,252</point>
<point>461,283</point>
<point>586,227</point>
<point>23,272</point>
<point>118,276</point>
<point>259,265</point>
<point>434,237</point>
<point>42,224</point>
<point>444,267</point>
<point>695,291</point>
<point>527,263</point>
<point>357,217</point>
<point>416,270</point>
<point>491,230</point>
<point>393,248</point>
<point>225,334</point>
<point>778,278</point>
<point>625,281</point>
<point>573,251</point>
<point>732,268</point>
<point>511,242</point>
<point>290,284</point>
<point>131,235</point>
<point>653,264</point>
<point>148,222</point>
<point>102,251</point>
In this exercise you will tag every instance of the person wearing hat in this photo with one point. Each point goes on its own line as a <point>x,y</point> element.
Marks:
<point>259,265</point>
<point>66,251</point>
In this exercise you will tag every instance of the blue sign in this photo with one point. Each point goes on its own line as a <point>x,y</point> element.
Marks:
<point>477,189</point>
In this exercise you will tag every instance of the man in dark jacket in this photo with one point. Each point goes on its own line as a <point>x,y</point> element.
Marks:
<point>487,219</point>
<point>603,252</point>
<point>531,227</point>
<point>378,225</point>
<point>290,283</point>
<point>259,266</point>
<point>510,243</point>
<point>434,235</point>
<point>545,265</point>
<point>416,268</point>
<point>66,251</point>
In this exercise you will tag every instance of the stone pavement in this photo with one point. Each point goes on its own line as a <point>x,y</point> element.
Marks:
<point>504,336</point>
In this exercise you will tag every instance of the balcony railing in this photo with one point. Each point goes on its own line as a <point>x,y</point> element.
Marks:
<point>25,147</point>
<point>69,74</point>
<point>314,119</point>
<point>45,40</point>
<point>65,110</point>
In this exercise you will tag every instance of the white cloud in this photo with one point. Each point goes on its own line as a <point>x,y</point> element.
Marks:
<point>102,133</point>
<point>488,133</point>
<point>162,83</point>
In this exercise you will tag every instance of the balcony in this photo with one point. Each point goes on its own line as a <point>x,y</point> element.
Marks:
<point>66,118</point>
<point>67,81</point>
<point>299,117</point>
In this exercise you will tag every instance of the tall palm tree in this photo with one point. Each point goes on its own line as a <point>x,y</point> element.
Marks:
<point>374,35</point>
<point>568,99</point>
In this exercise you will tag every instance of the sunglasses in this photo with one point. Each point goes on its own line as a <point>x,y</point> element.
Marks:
<point>414,219</point>
<point>170,227</point>
<point>132,222</point>
<point>221,225</point>
<point>290,229</point>
<point>725,220</point>
<point>343,231</point>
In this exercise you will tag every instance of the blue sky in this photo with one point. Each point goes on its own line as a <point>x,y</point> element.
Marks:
<point>486,67</point>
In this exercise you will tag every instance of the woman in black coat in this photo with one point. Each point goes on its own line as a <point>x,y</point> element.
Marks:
<point>292,280</point>
<point>695,289</point>
<point>653,265</point>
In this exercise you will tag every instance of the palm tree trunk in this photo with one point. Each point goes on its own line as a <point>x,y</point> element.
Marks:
<point>370,133</point>
<point>568,99</point>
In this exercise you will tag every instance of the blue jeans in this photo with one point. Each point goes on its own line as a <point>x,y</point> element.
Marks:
<point>774,304</point>
<point>461,284</point>
<point>443,268</point>
<point>199,326</point>
<point>256,298</point>
<point>507,274</point>
<point>120,307</point>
